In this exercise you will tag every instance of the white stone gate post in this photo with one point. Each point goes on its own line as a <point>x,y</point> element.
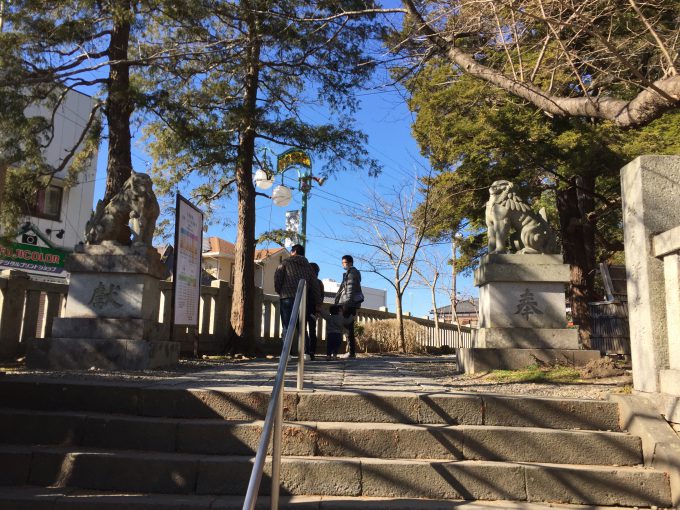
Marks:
<point>650,186</point>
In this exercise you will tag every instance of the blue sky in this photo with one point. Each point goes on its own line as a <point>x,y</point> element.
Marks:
<point>385,118</point>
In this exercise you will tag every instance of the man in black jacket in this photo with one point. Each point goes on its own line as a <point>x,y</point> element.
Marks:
<point>286,279</point>
<point>350,296</point>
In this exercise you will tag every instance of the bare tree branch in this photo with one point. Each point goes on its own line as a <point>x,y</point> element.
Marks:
<point>656,95</point>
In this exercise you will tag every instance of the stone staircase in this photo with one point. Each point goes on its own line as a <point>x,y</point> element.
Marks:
<point>83,445</point>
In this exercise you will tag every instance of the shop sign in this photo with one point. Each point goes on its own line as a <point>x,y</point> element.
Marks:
<point>32,258</point>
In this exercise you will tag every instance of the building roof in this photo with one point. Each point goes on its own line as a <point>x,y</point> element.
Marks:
<point>266,253</point>
<point>218,246</point>
<point>466,306</point>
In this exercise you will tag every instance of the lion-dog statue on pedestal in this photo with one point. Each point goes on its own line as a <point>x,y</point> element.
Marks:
<point>505,211</point>
<point>133,211</point>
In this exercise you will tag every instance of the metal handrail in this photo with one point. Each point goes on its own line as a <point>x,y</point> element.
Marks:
<point>274,418</point>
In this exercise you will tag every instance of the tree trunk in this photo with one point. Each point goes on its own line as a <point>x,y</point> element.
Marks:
<point>435,312</point>
<point>242,312</point>
<point>3,175</point>
<point>578,244</point>
<point>118,103</point>
<point>399,294</point>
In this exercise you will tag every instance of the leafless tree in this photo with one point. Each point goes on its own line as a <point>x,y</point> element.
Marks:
<point>603,59</point>
<point>391,237</point>
<point>430,266</point>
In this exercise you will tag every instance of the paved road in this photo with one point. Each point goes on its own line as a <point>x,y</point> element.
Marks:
<point>377,373</point>
<point>372,372</point>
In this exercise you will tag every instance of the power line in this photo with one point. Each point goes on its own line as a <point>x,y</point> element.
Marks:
<point>347,200</point>
<point>398,165</point>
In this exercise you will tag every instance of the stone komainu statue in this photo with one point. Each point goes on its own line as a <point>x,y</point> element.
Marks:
<point>505,211</point>
<point>133,211</point>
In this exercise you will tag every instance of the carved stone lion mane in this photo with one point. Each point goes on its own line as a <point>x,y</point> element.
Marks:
<point>133,211</point>
<point>505,211</point>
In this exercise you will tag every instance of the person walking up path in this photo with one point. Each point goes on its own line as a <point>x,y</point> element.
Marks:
<point>335,324</point>
<point>350,297</point>
<point>312,307</point>
<point>286,279</point>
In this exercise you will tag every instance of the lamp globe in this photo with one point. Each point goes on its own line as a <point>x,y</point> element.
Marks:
<point>262,179</point>
<point>281,196</point>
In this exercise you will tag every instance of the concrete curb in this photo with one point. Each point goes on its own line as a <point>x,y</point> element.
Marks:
<point>60,499</point>
<point>660,444</point>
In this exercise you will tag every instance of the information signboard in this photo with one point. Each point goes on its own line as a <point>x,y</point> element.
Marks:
<point>187,267</point>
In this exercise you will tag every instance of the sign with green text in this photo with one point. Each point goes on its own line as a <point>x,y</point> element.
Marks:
<point>32,258</point>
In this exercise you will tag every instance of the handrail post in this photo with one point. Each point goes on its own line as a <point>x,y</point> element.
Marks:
<point>273,421</point>
<point>276,451</point>
<point>302,321</point>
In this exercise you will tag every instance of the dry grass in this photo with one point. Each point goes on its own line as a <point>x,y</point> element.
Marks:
<point>383,336</point>
<point>536,373</point>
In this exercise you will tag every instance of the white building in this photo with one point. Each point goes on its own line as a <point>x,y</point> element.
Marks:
<point>374,299</point>
<point>55,222</point>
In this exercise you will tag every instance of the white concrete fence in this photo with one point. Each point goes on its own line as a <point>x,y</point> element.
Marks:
<point>28,307</point>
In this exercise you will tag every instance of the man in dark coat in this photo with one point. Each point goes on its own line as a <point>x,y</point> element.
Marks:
<point>350,296</point>
<point>286,279</point>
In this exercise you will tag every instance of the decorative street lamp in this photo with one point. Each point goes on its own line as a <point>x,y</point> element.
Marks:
<point>281,194</point>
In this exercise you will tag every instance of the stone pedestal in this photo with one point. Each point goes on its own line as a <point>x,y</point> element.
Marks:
<point>522,316</point>
<point>111,315</point>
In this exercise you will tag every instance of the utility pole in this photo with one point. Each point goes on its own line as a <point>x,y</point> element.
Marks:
<point>454,274</point>
<point>454,292</point>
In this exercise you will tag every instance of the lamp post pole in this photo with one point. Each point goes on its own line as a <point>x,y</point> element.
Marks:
<point>305,185</point>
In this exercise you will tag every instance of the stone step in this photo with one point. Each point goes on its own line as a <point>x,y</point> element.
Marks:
<point>172,473</point>
<point>57,499</point>
<point>382,407</point>
<point>336,439</point>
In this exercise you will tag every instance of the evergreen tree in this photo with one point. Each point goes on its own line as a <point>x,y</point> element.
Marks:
<point>48,48</point>
<point>255,67</point>
<point>475,134</point>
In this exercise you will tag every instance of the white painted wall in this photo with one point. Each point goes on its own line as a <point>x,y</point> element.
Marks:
<point>76,208</point>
